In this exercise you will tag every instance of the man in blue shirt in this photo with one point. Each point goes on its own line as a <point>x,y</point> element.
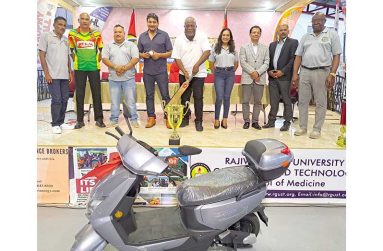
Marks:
<point>155,47</point>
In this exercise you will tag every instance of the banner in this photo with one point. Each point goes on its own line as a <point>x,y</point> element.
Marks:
<point>155,191</point>
<point>45,16</point>
<point>289,17</point>
<point>315,175</point>
<point>52,175</point>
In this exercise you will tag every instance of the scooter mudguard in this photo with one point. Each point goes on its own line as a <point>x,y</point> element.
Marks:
<point>261,213</point>
<point>88,239</point>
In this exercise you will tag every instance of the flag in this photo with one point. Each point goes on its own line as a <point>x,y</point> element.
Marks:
<point>336,22</point>
<point>225,21</point>
<point>132,27</point>
<point>289,17</point>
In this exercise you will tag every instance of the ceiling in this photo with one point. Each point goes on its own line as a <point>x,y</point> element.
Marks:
<point>233,5</point>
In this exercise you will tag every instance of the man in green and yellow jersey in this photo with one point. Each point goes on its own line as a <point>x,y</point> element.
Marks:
<point>86,45</point>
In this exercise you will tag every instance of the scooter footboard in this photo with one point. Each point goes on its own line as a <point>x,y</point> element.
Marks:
<point>87,239</point>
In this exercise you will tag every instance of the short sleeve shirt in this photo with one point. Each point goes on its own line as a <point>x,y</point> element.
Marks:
<point>57,52</point>
<point>86,49</point>
<point>160,43</point>
<point>317,51</point>
<point>224,59</point>
<point>189,52</point>
<point>121,54</point>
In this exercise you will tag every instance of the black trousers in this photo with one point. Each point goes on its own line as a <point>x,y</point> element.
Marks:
<point>95,87</point>
<point>277,90</point>
<point>195,86</point>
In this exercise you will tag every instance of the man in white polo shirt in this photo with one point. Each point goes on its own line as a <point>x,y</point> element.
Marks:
<point>190,51</point>
<point>54,58</point>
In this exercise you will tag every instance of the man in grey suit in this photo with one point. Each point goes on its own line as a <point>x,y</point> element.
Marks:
<point>282,54</point>
<point>254,60</point>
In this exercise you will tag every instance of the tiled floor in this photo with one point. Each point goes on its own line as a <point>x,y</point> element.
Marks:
<point>158,136</point>
<point>290,229</point>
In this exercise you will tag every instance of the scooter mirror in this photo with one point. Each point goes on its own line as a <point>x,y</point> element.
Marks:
<point>189,150</point>
<point>125,112</point>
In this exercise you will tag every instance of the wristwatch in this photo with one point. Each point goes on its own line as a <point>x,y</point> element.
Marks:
<point>333,74</point>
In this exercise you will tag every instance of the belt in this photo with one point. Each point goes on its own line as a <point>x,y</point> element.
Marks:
<point>315,68</point>
<point>225,68</point>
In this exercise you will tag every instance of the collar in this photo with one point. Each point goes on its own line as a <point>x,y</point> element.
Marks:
<point>55,35</point>
<point>79,31</point>
<point>254,44</point>
<point>325,30</point>
<point>158,32</point>
<point>283,40</point>
<point>119,44</point>
<point>194,38</point>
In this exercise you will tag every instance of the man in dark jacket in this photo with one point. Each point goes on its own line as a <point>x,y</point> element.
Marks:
<point>282,55</point>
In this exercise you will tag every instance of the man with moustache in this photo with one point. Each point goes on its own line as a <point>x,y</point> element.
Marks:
<point>318,57</point>
<point>282,55</point>
<point>54,57</point>
<point>86,45</point>
<point>155,47</point>
<point>121,56</point>
<point>190,51</point>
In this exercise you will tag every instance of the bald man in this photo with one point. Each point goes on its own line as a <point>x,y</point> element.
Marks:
<point>86,45</point>
<point>282,55</point>
<point>317,56</point>
<point>190,51</point>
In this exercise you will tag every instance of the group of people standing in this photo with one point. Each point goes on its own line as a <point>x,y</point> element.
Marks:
<point>312,63</point>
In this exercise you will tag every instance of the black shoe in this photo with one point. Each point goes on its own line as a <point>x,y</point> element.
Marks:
<point>285,127</point>
<point>100,123</point>
<point>246,125</point>
<point>185,122</point>
<point>269,125</point>
<point>256,126</point>
<point>79,125</point>
<point>198,126</point>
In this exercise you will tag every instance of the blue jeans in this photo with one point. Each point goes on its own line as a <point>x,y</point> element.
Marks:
<point>223,85</point>
<point>59,90</point>
<point>127,90</point>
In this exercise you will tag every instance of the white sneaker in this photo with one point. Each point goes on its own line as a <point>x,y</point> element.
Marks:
<point>135,124</point>
<point>314,135</point>
<point>56,130</point>
<point>112,123</point>
<point>66,127</point>
<point>300,132</point>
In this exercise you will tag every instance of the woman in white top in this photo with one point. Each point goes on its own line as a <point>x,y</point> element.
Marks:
<point>223,63</point>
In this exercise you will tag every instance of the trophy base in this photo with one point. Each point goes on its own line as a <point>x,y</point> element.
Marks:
<point>174,142</point>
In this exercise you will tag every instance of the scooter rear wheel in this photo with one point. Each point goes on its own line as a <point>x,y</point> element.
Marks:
<point>249,224</point>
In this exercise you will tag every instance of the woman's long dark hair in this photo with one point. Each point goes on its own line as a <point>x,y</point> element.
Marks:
<point>231,43</point>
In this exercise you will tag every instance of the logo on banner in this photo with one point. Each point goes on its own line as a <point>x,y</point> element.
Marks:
<point>199,169</point>
<point>85,44</point>
<point>84,186</point>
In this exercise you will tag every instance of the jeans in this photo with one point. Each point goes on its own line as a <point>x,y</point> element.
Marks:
<point>59,90</point>
<point>163,85</point>
<point>223,85</point>
<point>95,87</point>
<point>127,90</point>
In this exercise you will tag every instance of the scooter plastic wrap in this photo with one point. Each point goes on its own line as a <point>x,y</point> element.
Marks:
<point>216,186</point>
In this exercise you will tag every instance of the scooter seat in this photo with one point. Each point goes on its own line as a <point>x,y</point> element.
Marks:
<point>216,186</point>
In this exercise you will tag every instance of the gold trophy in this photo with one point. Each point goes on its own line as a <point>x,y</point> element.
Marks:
<point>175,114</point>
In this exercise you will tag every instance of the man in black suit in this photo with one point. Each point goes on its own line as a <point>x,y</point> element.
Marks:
<point>282,55</point>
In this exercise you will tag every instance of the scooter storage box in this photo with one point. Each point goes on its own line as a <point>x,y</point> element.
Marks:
<point>270,158</point>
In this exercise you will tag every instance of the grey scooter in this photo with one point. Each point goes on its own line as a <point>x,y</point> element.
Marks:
<point>216,211</point>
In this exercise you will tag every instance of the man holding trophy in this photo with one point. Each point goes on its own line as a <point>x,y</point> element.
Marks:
<point>190,51</point>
